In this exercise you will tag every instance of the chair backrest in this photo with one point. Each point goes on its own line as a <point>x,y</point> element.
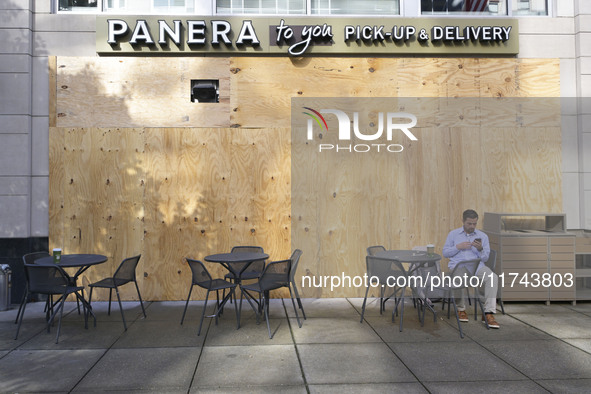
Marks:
<point>492,260</point>
<point>276,275</point>
<point>126,271</point>
<point>46,279</point>
<point>386,270</point>
<point>372,250</point>
<point>466,267</point>
<point>258,265</point>
<point>295,259</point>
<point>247,249</point>
<point>31,257</point>
<point>201,275</point>
<point>419,248</point>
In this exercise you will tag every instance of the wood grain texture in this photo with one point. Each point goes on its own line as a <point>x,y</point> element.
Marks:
<point>168,194</point>
<point>158,184</point>
<point>139,92</point>
<point>265,86</point>
<point>96,195</point>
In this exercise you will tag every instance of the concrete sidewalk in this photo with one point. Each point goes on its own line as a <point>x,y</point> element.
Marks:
<point>539,348</point>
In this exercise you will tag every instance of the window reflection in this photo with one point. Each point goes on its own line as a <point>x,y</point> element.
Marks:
<point>355,7</point>
<point>529,7</point>
<point>484,7</point>
<point>273,7</point>
<point>69,5</point>
<point>316,7</point>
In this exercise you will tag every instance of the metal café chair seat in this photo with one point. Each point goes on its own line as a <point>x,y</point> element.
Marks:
<point>124,274</point>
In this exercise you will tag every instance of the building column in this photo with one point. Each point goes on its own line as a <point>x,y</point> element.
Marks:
<point>583,60</point>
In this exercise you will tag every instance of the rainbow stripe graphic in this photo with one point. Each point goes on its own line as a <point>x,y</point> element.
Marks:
<point>316,118</point>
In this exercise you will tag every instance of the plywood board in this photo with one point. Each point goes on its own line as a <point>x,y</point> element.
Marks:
<point>169,187</point>
<point>262,88</point>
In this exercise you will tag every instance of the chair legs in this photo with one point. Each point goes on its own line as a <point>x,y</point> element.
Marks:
<point>60,308</point>
<point>363,305</point>
<point>140,297</point>
<point>120,307</point>
<point>382,300</point>
<point>453,300</point>
<point>502,306</point>
<point>295,309</point>
<point>20,314</point>
<point>203,313</point>
<point>218,309</point>
<point>120,304</point>
<point>48,306</point>
<point>295,289</point>
<point>20,307</point>
<point>399,300</point>
<point>110,297</point>
<point>186,304</point>
<point>264,307</point>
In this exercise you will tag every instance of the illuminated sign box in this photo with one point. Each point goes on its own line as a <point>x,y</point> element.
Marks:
<point>176,35</point>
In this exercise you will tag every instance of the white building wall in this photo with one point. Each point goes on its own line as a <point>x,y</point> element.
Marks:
<point>15,118</point>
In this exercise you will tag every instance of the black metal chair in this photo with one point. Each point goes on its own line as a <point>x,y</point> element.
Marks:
<point>125,273</point>
<point>202,278</point>
<point>49,280</point>
<point>386,272</point>
<point>371,251</point>
<point>295,259</point>
<point>275,276</point>
<point>30,259</point>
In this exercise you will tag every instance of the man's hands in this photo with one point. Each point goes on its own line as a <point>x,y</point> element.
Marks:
<point>464,245</point>
<point>477,244</point>
<point>468,245</point>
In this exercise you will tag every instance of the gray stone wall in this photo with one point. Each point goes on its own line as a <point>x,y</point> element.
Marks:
<point>17,172</point>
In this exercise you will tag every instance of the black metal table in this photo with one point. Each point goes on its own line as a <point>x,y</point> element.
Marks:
<point>409,256</point>
<point>80,261</point>
<point>231,261</point>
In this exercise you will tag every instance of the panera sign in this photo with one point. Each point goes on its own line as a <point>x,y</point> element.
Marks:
<point>172,35</point>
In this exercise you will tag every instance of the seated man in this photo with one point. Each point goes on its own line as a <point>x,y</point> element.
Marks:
<point>467,243</point>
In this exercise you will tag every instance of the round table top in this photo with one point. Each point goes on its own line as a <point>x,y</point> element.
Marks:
<point>237,257</point>
<point>74,260</point>
<point>409,256</point>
